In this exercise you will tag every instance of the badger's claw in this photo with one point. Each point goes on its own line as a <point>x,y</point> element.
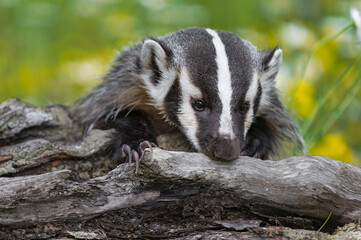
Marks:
<point>129,155</point>
<point>145,144</point>
<point>125,152</point>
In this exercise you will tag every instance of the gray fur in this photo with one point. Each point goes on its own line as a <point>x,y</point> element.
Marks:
<point>124,87</point>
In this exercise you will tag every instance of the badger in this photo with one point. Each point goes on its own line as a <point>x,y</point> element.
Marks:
<point>211,86</point>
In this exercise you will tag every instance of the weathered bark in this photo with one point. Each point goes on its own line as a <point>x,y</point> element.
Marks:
<point>175,194</point>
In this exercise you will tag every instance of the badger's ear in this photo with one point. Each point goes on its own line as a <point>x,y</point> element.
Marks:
<point>271,61</point>
<point>157,73</point>
<point>154,60</point>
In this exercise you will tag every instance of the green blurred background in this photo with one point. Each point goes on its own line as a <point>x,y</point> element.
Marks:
<point>54,51</point>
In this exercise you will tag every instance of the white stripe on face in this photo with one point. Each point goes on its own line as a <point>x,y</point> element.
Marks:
<point>224,85</point>
<point>250,97</point>
<point>186,114</point>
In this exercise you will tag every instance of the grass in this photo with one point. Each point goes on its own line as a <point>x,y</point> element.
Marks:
<point>329,215</point>
<point>325,114</point>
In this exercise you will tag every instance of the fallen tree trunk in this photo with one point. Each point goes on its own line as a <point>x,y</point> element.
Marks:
<point>175,194</point>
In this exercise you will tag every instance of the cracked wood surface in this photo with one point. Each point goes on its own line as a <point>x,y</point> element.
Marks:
<point>303,187</point>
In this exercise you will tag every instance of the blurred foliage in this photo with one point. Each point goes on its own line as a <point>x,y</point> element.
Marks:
<point>54,51</point>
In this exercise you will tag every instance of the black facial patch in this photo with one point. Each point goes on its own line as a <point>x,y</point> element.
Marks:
<point>172,102</point>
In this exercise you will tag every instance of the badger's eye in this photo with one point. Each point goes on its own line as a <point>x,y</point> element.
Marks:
<point>244,107</point>
<point>199,105</point>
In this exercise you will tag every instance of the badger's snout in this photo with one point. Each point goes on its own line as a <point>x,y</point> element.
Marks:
<point>223,148</point>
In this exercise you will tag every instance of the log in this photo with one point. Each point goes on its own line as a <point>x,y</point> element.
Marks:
<point>303,187</point>
<point>55,183</point>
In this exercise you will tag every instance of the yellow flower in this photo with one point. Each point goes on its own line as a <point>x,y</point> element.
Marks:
<point>334,146</point>
<point>303,99</point>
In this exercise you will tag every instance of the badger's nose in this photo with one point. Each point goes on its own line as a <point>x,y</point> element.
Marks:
<point>226,148</point>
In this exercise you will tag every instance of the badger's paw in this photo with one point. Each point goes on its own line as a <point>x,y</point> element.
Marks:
<point>129,154</point>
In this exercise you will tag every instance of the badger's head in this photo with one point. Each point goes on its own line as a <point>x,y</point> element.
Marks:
<point>211,84</point>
